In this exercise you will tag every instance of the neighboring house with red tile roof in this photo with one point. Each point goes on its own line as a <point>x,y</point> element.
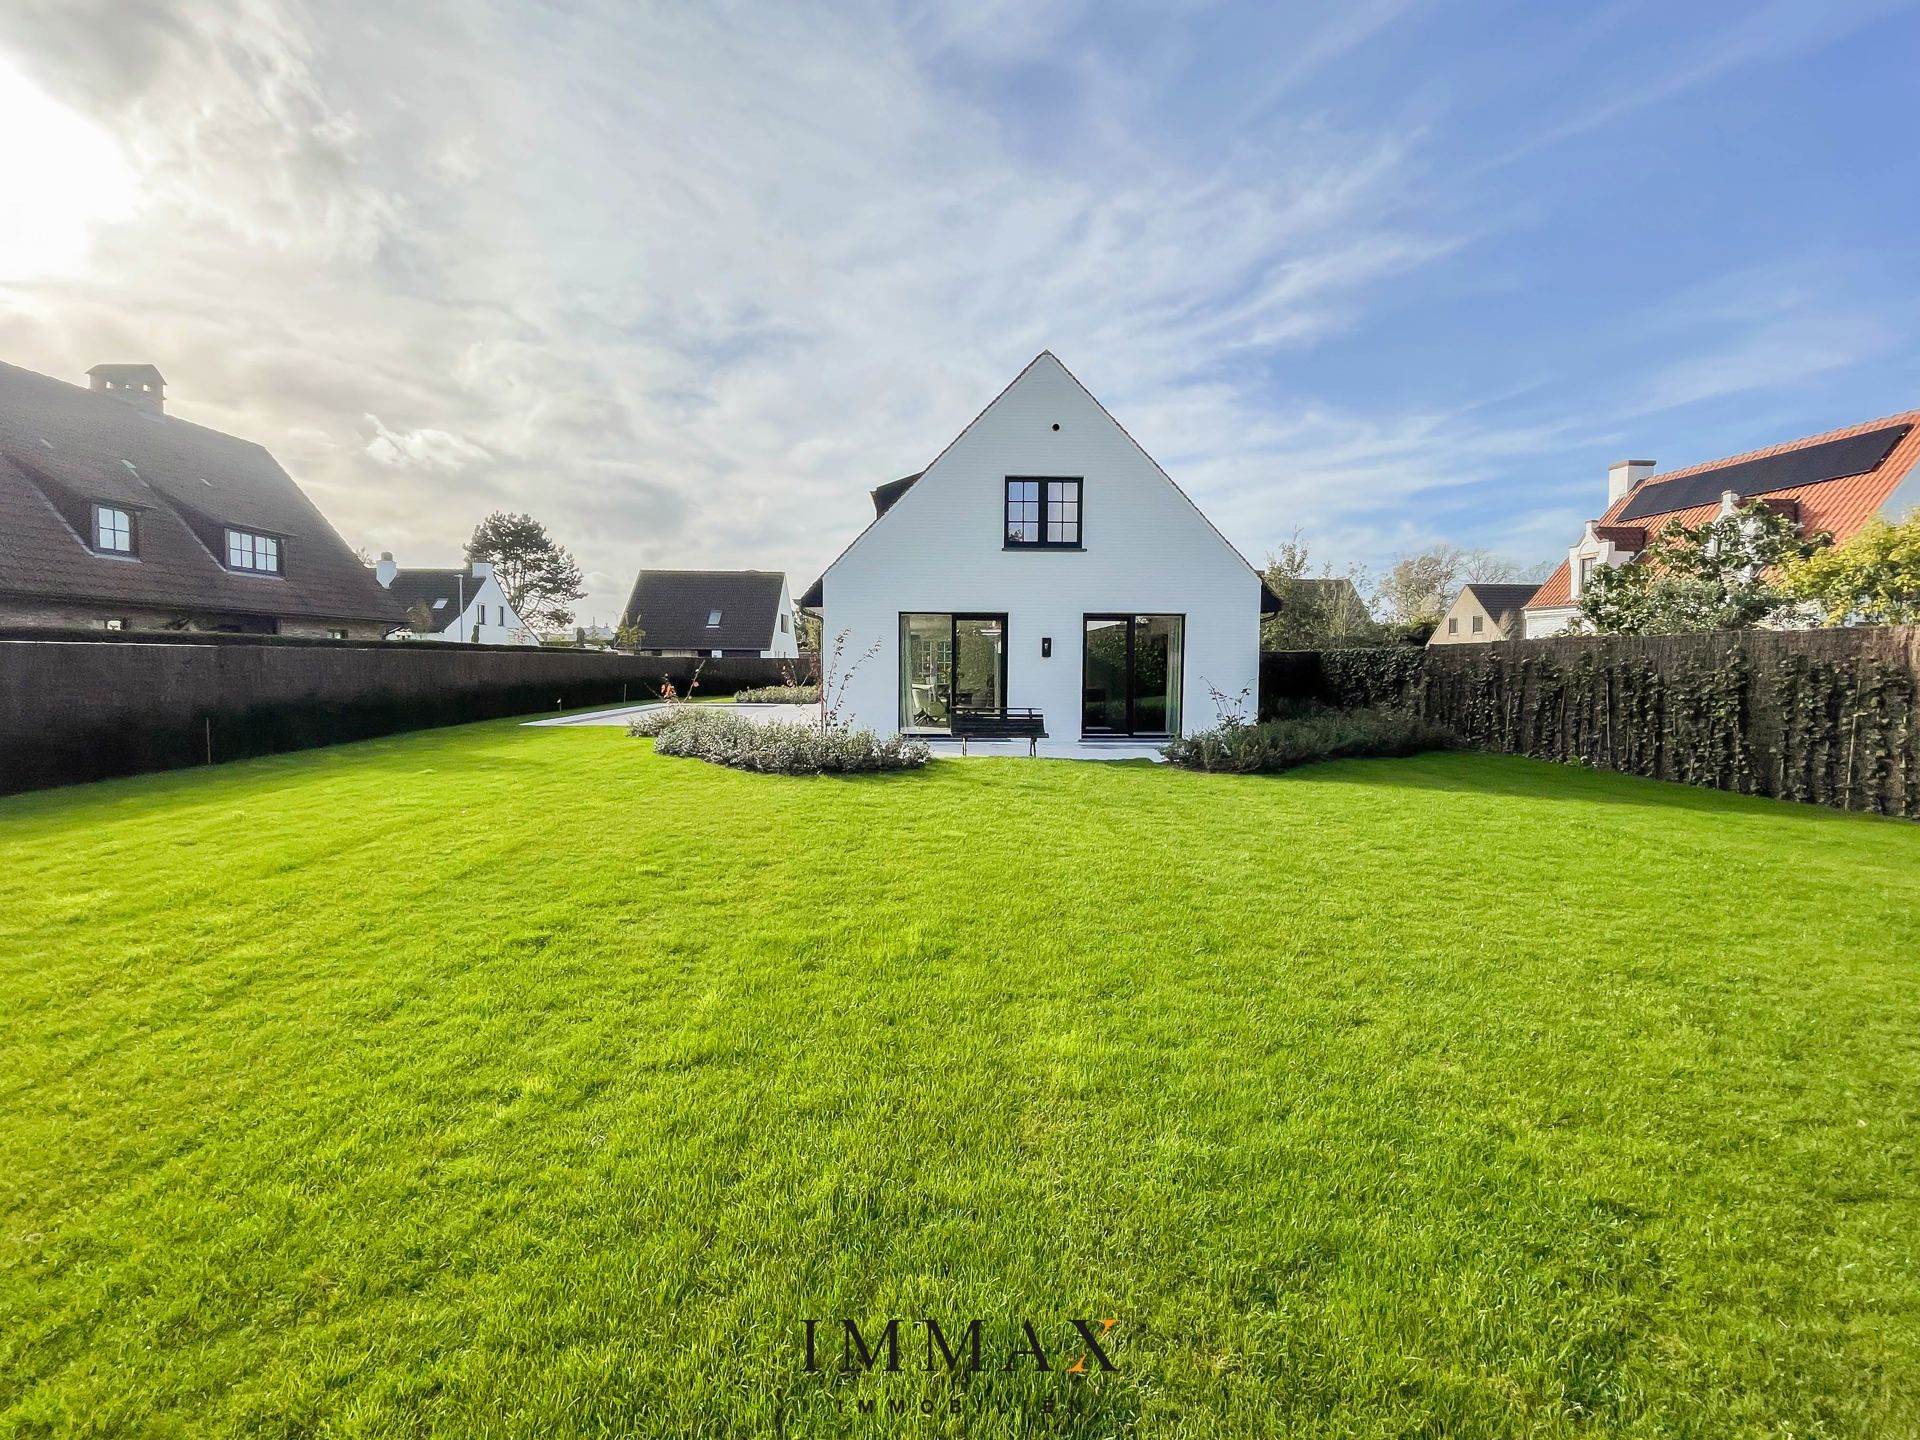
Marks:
<point>115,514</point>
<point>1836,481</point>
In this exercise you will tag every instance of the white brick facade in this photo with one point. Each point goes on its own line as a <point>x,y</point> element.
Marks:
<point>1147,551</point>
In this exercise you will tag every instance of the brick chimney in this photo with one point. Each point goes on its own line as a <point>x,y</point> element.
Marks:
<point>141,386</point>
<point>1623,475</point>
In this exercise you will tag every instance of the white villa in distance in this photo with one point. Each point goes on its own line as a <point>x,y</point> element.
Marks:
<point>455,606</point>
<point>1043,561</point>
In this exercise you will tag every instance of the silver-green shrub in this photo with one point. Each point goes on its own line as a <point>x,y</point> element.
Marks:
<point>1307,734</point>
<point>649,723</point>
<point>709,732</point>
<point>779,695</point>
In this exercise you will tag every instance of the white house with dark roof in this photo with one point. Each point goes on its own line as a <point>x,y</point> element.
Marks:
<point>714,612</point>
<point>1043,562</point>
<point>457,606</point>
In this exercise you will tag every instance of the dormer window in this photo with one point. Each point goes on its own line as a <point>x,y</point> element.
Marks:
<point>247,551</point>
<point>713,620</point>
<point>112,530</point>
<point>1043,511</point>
<point>1586,570</point>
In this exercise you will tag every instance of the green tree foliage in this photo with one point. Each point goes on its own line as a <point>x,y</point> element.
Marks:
<point>541,578</point>
<point>1418,589</point>
<point>627,635</point>
<point>1873,579</point>
<point>1711,576</point>
<point>1317,612</point>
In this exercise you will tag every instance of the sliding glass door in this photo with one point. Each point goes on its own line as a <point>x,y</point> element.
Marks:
<point>1130,675</point>
<point>950,662</point>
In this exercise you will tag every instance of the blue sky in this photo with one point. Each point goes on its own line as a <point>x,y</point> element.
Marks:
<point>685,281</point>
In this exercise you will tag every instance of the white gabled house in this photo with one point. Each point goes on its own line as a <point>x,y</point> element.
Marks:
<point>1043,561</point>
<point>457,606</point>
<point>713,612</point>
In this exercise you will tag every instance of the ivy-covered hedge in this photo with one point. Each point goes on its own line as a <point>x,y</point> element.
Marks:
<point>1828,716</point>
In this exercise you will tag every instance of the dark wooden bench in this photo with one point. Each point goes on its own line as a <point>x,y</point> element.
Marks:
<point>1028,725</point>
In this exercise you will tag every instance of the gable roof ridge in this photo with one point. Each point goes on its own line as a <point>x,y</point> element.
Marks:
<point>1903,417</point>
<point>867,529</point>
<point>1235,549</point>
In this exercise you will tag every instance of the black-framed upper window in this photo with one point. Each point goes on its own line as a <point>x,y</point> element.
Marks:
<point>113,530</point>
<point>1043,510</point>
<point>247,551</point>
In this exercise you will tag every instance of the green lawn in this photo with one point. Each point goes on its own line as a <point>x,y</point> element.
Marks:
<point>502,1082</point>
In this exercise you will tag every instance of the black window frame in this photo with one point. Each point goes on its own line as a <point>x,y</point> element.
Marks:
<point>1132,619</point>
<point>279,567</point>
<point>954,617</point>
<point>133,530</point>
<point>1045,540</point>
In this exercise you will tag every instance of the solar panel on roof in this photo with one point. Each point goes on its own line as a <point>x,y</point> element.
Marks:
<point>1810,465</point>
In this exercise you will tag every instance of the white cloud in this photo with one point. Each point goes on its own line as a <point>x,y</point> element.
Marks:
<point>685,281</point>
<point>422,449</point>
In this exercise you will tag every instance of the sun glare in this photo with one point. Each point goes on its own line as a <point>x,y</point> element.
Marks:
<point>62,177</point>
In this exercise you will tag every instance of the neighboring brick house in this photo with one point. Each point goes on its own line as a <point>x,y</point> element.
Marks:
<point>713,612</point>
<point>116,515</point>
<point>1836,481</point>
<point>1483,613</point>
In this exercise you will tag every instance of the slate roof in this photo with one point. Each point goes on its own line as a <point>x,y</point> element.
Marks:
<point>885,495</point>
<point>411,587</point>
<point>63,448</point>
<point>672,607</point>
<point>1503,602</point>
<point>1838,503</point>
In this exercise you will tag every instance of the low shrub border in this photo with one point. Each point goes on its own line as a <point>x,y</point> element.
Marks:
<point>780,748</point>
<point>779,695</point>
<point>1306,734</point>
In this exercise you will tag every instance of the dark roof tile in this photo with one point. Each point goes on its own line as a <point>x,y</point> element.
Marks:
<point>672,607</point>
<point>62,448</point>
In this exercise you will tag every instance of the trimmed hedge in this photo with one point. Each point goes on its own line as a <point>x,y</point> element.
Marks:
<point>1830,717</point>
<point>96,704</point>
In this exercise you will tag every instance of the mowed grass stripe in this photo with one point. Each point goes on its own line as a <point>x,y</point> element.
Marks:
<point>493,1081</point>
